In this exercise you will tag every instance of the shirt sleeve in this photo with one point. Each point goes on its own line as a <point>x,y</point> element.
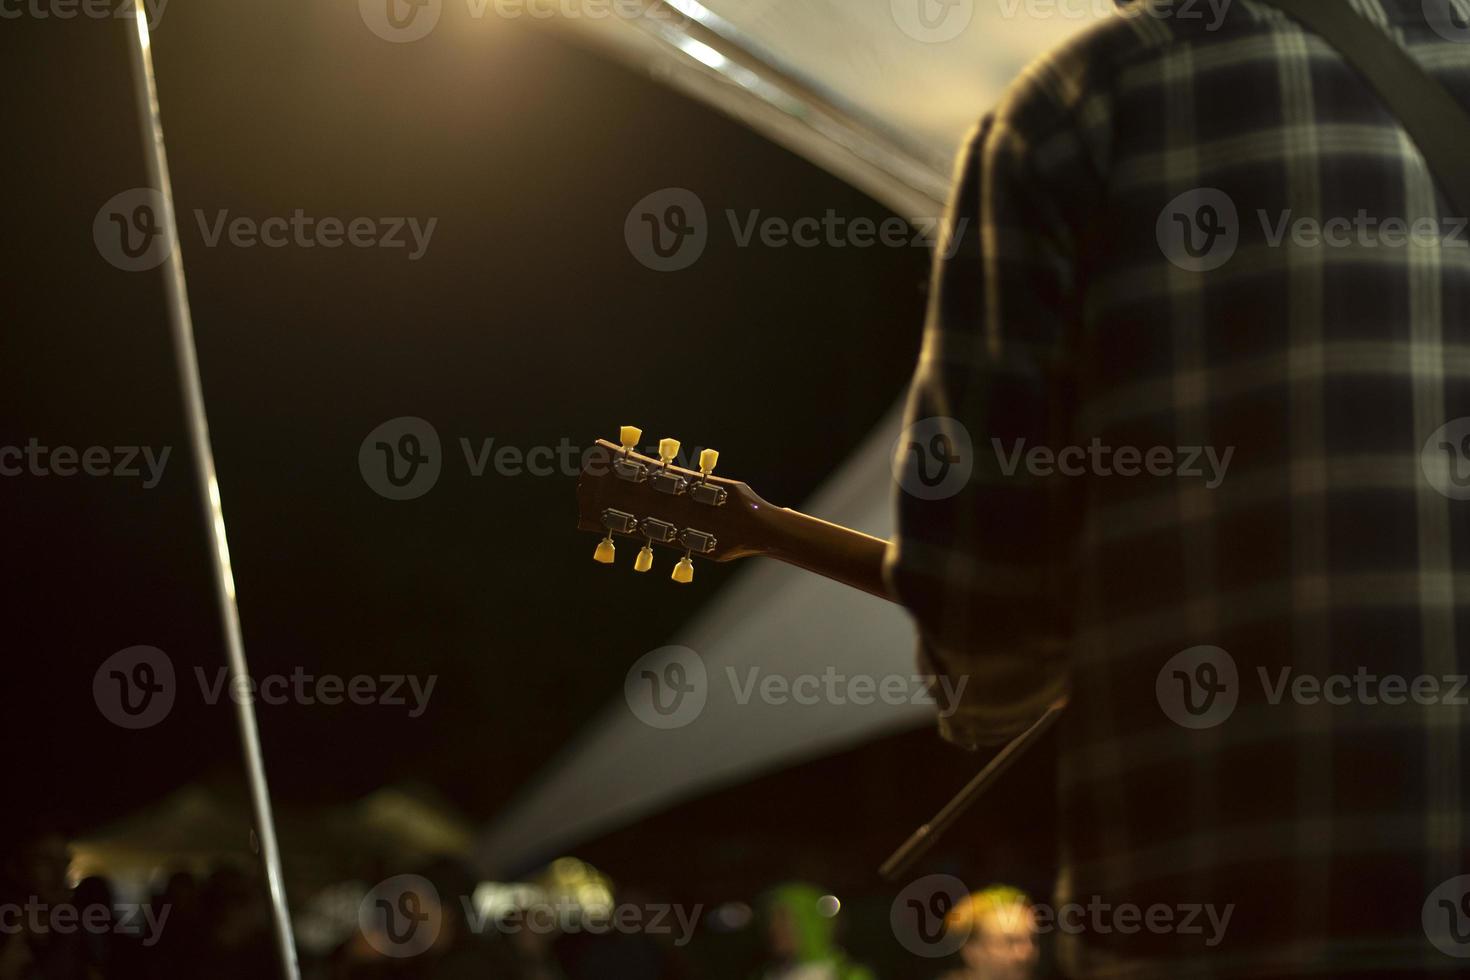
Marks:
<point>984,539</point>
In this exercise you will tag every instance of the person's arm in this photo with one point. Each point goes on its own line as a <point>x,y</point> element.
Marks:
<point>982,564</point>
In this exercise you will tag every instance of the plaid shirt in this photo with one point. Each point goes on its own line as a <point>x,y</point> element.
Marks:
<point>1177,446</point>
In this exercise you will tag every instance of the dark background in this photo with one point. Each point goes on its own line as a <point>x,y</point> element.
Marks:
<point>528,321</point>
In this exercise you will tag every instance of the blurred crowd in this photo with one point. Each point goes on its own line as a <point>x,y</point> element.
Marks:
<point>218,925</point>
<point>190,927</point>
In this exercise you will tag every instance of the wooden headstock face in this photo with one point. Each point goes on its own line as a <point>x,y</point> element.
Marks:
<point>657,504</point>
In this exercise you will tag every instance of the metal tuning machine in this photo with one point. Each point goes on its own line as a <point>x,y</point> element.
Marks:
<point>613,520</point>
<point>629,469</point>
<point>653,530</point>
<point>702,491</point>
<point>663,480</point>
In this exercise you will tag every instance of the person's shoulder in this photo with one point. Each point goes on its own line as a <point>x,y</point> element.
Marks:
<point>1086,66</point>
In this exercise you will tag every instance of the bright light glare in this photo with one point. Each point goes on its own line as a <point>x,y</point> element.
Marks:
<point>693,10</point>
<point>218,512</point>
<point>140,16</point>
<point>703,53</point>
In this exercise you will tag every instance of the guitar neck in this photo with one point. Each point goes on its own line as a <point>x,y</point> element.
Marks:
<point>830,550</point>
<point>654,501</point>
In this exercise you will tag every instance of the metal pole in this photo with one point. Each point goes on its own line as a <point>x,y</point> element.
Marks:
<point>924,838</point>
<point>187,363</point>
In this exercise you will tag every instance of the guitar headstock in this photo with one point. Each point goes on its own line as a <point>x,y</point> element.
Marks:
<point>625,494</point>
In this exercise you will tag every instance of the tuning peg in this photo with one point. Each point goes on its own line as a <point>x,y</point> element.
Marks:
<point>707,461</point>
<point>684,571</point>
<point>667,450</point>
<point>644,561</point>
<point>629,435</point>
<point>605,550</point>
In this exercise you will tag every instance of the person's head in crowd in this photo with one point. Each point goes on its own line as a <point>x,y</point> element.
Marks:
<point>418,914</point>
<point>801,934</point>
<point>93,893</point>
<point>94,890</point>
<point>999,926</point>
<point>455,883</point>
<point>36,866</point>
<point>181,891</point>
<point>233,907</point>
<point>179,900</point>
